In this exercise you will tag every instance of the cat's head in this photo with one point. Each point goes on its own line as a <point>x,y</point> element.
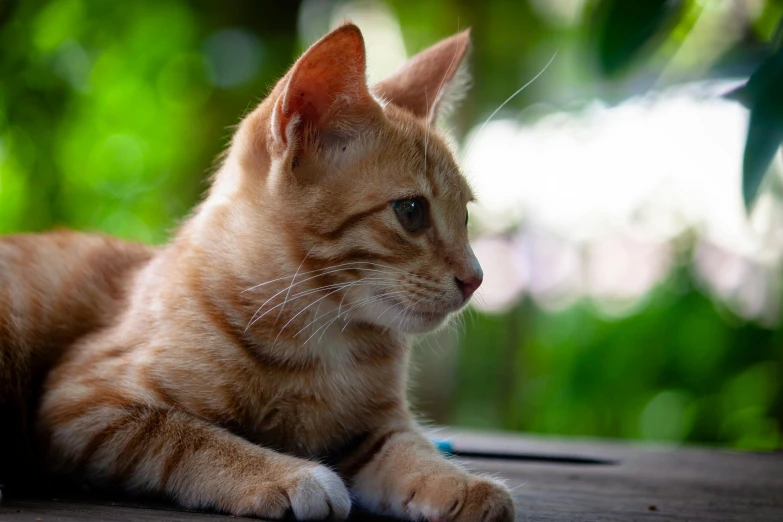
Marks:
<point>355,186</point>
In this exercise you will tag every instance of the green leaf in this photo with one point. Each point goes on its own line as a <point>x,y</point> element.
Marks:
<point>764,137</point>
<point>623,28</point>
<point>764,95</point>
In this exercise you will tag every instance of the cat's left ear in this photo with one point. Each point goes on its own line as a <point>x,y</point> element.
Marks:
<point>432,81</point>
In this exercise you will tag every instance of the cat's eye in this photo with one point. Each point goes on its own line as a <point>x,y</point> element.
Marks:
<point>412,213</point>
<point>467,216</point>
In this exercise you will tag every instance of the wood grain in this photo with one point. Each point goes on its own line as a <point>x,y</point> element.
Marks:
<point>630,483</point>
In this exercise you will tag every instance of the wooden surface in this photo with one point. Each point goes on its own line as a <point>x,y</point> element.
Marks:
<point>552,481</point>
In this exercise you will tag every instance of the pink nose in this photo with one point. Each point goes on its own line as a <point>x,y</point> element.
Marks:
<point>468,286</point>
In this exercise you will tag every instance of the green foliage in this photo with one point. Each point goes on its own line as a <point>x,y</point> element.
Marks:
<point>674,372</point>
<point>624,29</point>
<point>111,119</point>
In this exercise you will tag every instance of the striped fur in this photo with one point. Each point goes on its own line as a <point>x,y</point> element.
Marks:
<point>257,364</point>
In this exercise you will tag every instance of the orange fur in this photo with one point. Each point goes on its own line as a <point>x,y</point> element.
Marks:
<point>257,364</point>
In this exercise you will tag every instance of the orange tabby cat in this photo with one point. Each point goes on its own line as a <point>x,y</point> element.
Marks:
<point>257,364</point>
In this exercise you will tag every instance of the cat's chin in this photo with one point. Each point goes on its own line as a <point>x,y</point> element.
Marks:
<point>390,314</point>
<point>397,318</point>
<point>423,322</point>
<point>418,323</point>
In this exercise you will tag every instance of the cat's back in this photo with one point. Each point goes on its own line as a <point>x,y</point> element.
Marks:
<point>55,287</point>
<point>59,285</point>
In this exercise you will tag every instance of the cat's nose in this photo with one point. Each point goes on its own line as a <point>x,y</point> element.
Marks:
<point>469,276</point>
<point>469,285</point>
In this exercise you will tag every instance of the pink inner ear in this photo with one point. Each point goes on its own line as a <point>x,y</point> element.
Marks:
<point>315,90</point>
<point>332,70</point>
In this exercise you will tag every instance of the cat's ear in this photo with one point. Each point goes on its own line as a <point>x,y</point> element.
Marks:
<point>430,82</point>
<point>328,81</point>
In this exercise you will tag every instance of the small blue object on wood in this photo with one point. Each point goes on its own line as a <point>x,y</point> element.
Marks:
<point>444,446</point>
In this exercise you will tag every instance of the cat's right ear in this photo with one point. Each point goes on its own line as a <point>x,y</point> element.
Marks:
<point>327,83</point>
<point>432,81</point>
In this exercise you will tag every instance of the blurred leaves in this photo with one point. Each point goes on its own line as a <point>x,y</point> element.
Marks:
<point>6,9</point>
<point>623,30</point>
<point>675,372</point>
<point>110,113</point>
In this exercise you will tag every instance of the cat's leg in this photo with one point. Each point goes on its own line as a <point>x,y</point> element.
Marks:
<point>198,464</point>
<point>397,471</point>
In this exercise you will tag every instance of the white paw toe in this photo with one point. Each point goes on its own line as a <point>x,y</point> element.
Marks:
<point>319,493</point>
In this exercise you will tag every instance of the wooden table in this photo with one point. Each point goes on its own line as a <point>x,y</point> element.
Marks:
<point>552,481</point>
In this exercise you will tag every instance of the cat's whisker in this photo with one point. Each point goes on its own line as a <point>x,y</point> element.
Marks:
<point>349,263</point>
<point>322,326</point>
<point>303,293</point>
<point>347,285</point>
<point>292,284</point>
<point>399,283</point>
<point>365,280</point>
<point>335,288</point>
<point>439,349</point>
<point>366,300</point>
<point>340,305</point>
<point>363,302</point>
<point>351,307</point>
<point>404,310</point>
<point>428,340</point>
<point>324,273</point>
<point>472,315</point>
<point>525,86</point>
<point>427,108</point>
<point>318,308</point>
<point>372,299</point>
<point>398,314</point>
<point>347,322</point>
<point>442,81</point>
<point>386,310</point>
<point>453,324</point>
<point>253,319</point>
<point>412,308</point>
<point>453,327</point>
<point>461,322</point>
<point>311,304</point>
<point>427,128</point>
<point>319,317</point>
<point>415,293</point>
<point>379,298</point>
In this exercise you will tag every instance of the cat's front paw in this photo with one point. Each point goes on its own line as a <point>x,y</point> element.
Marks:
<point>315,493</point>
<point>456,498</point>
<point>320,494</point>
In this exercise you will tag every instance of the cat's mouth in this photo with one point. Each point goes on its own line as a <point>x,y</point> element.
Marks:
<point>410,314</point>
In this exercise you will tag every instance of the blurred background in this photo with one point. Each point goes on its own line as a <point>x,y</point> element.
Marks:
<point>628,293</point>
